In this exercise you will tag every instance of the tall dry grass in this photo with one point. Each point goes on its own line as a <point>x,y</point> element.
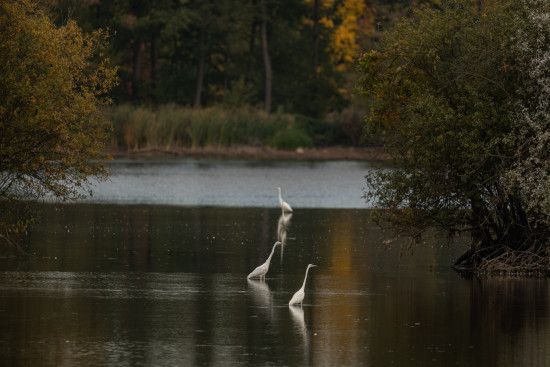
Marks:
<point>174,126</point>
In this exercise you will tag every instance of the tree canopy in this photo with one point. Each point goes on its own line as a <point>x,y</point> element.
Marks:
<point>52,82</point>
<point>459,96</point>
<point>197,52</point>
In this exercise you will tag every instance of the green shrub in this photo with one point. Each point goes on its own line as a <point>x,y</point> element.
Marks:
<point>350,122</point>
<point>322,132</point>
<point>291,138</point>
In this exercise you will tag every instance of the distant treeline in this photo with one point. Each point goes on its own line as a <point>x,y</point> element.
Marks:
<point>292,55</point>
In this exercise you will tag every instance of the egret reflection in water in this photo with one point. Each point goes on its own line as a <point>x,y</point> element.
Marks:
<point>282,226</point>
<point>297,316</point>
<point>260,293</point>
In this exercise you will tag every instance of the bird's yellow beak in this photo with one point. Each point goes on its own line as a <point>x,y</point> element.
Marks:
<point>283,243</point>
<point>313,265</point>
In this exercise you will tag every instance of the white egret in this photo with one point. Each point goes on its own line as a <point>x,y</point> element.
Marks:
<point>298,297</point>
<point>284,204</point>
<point>261,270</point>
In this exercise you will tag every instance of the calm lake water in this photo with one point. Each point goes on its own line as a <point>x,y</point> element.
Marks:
<point>235,183</point>
<point>165,285</point>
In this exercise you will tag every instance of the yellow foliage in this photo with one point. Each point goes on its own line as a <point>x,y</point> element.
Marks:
<point>52,83</point>
<point>349,19</point>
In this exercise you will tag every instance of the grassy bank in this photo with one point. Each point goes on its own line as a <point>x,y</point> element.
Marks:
<point>171,126</point>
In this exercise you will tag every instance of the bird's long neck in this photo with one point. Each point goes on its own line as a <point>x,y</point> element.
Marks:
<point>280,197</point>
<point>272,252</point>
<point>305,278</point>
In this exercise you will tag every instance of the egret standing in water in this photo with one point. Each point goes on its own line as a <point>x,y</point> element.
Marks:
<point>298,297</point>
<point>261,270</point>
<point>284,204</point>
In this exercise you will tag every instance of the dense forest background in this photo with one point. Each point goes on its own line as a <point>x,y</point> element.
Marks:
<point>292,55</point>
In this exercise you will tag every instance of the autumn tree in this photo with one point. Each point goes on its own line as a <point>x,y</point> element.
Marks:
<point>460,97</point>
<point>52,82</point>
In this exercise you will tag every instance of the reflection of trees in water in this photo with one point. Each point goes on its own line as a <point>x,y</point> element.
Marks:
<point>149,238</point>
<point>135,249</point>
<point>342,240</point>
<point>509,319</point>
<point>505,320</point>
<point>474,321</point>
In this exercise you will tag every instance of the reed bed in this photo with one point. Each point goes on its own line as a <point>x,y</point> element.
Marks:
<point>173,126</point>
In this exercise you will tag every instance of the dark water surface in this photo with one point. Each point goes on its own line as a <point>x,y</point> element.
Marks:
<point>143,285</point>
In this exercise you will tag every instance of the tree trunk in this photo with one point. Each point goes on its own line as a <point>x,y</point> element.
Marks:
<point>315,35</point>
<point>200,69</point>
<point>251,50</point>
<point>137,69</point>
<point>175,68</point>
<point>251,45</point>
<point>267,62</point>
<point>153,70</point>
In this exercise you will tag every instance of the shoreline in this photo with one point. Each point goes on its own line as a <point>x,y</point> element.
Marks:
<point>261,153</point>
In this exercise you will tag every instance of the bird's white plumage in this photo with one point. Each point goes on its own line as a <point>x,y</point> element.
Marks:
<point>284,205</point>
<point>298,297</point>
<point>261,270</point>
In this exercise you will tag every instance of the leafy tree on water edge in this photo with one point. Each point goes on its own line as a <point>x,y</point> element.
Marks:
<point>52,81</point>
<point>460,97</point>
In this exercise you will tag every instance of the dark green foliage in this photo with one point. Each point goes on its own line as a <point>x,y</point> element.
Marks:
<point>159,46</point>
<point>291,138</point>
<point>454,97</point>
<point>322,132</point>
